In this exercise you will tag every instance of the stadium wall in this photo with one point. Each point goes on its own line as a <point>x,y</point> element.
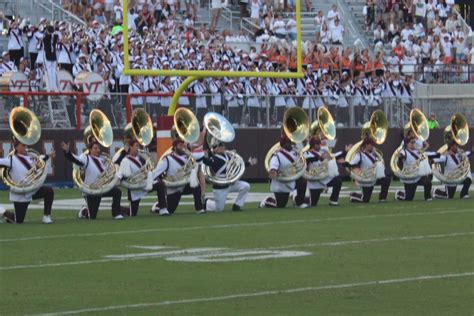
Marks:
<point>248,142</point>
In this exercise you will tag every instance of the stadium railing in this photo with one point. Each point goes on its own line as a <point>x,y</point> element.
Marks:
<point>70,110</point>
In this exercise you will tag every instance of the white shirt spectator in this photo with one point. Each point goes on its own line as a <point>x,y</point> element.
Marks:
<point>406,32</point>
<point>471,54</point>
<point>447,46</point>
<point>337,33</point>
<point>420,8</point>
<point>255,9</point>
<point>279,27</point>
<point>332,16</point>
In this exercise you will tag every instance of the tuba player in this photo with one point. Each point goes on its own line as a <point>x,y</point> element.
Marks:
<point>451,159</point>
<point>19,165</point>
<point>94,166</point>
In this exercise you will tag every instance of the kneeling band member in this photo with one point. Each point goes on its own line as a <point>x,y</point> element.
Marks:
<point>19,165</point>
<point>279,162</point>
<point>366,159</point>
<point>130,164</point>
<point>408,157</point>
<point>217,161</point>
<point>172,166</point>
<point>93,166</point>
<point>451,159</point>
<point>314,157</point>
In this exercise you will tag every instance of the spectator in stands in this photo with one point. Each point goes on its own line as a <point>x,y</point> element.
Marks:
<point>432,121</point>
<point>337,33</point>
<point>319,19</point>
<point>279,27</point>
<point>332,16</point>
<point>15,42</point>
<point>370,14</point>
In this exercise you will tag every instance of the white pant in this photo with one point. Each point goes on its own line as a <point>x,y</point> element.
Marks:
<point>51,73</point>
<point>220,196</point>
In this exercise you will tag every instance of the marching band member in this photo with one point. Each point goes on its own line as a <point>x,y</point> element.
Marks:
<point>215,87</point>
<point>281,160</point>
<point>135,87</point>
<point>253,102</point>
<point>315,155</point>
<point>7,65</point>
<point>408,156</point>
<point>451,159</point>
<point>94,166</point>
<point>171,164</point>
<point>131,163</point>
<point>201,104</point>
<point>81,65</point>
<point>217,161</point>
<point>19,165</point>
<point>365,159</point>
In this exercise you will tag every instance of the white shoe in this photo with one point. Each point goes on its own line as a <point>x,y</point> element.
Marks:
<point>155,208</point>
<point>164,212</point>
<point>332,203</point>
<point>292,197</point>
<point>262,204</point>
<point>466,197</point>
<point>83,213</point>
<point>201,211</point>
<point>304,205</point>
<point>47,219</point>
<point>118,217</point>
<point>429,200</point>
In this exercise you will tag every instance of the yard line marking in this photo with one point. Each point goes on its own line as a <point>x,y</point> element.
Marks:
<point>371,241</point>
<point>323,244</point>
<point>264,293</point>
<point>253,224</point>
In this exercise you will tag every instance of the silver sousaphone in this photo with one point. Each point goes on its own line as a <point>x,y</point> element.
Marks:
<point>219,130</point>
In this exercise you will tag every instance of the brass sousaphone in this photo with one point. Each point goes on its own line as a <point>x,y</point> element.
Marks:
<point>376,128</point>
<point>186,127</point>
<point>99,129</point>
<point>324,128</point>
<point>141,129</point>
<point>296,128</point>
<point>418,126</point>
<point>25,128</point>
<point>457,131</point>
<point>219,129</point>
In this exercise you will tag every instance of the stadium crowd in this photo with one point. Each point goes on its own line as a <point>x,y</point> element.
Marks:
<point>335,75</point>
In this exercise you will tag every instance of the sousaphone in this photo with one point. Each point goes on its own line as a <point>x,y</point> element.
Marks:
<point>186,127</point>
<point>325,129</point>
<point>25,128</point>
<point>99,130</point>
<point>376,128</point>
<point>296,128</point>
<point>418,126</point>
<point>141,129</point>
<point>219,130</point>
<point>457,131</point>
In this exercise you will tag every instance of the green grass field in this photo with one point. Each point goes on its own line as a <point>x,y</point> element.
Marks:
<point>375,259</point>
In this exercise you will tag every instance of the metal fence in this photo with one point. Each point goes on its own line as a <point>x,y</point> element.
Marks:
<point>71,110</point>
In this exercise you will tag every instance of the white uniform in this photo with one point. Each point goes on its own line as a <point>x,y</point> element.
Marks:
<point>333,168</point>
<point>410,157</point>
<point>220,193</point>
<point>451,162</point>
<point>281,160</point>
<point>170,164</point>
<point>93,166</point>
<point>128,167</point>
<point>365,161</point>
<point>18,166</point>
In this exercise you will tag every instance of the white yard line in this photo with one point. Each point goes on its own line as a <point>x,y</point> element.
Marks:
<point>154,255</point>
<point>253,224</point>
<point>264,293</point>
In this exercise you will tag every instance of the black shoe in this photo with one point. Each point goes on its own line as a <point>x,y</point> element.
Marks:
<point>236,208</point>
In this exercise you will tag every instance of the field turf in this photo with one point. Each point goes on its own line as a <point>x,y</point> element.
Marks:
<point>368,259</point>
